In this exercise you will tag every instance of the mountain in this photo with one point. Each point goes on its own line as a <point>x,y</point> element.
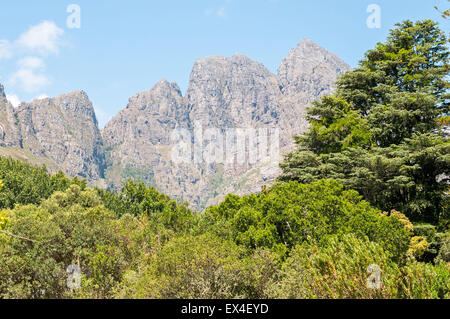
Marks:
<point>9,129</point>
<point>61,132</point>
<point>137,139</point>
<point>305,74</point>
<point>223,94</point>
<point>235,121</point>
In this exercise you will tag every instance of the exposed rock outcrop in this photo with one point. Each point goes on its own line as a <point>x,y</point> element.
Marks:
<point>9,129</point>
<point>223,93</point>
<point>62,131</point>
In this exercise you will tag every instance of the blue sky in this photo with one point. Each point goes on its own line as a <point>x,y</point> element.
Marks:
<point>123,47</point>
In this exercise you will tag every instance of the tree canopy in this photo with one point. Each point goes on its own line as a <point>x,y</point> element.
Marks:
<point>380,133</point>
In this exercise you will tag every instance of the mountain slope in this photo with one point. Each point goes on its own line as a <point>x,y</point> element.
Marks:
<point>223,94</point>
<point>228,98</point>
<point>61,131</point>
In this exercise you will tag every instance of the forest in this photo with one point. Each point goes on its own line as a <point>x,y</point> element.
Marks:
<point>361,209</point>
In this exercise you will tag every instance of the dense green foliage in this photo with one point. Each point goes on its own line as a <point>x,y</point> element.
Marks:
<point>136,199</point>
<point>380,132</point>
<point>292,213</point>
<point>26,184</point>
<point>336,225</point>
<point>291,241</point>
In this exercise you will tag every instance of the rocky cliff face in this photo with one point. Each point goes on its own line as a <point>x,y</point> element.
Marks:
<point>309,71</point>
<point>65,130</point>
<point>137,140</point>
<point>62,130</point>
<point>232,92</point>
<point>223,93</point>
<point>305,74</point>
<point>9,129</point>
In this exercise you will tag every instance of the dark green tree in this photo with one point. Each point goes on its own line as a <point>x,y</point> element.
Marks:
<point>380,132</point>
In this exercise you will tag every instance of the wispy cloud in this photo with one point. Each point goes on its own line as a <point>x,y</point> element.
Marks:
<point>102,117</point>
<point>219,12</point>
<point>29,76</point>
<point>41,97</point>
<point>36,43</point>
<point>31,63</point>
<point>5,49</point>
<point>44,38</point>
<point>13,99</point>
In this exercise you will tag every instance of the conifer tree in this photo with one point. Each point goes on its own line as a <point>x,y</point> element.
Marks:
<point>379,133</point>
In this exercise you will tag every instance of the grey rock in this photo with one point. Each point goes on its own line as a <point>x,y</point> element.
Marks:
<point>309,71</point>
<point>223,93</point>
<point>137,139</point>
<point>9,128</point>
<point>65,130</point>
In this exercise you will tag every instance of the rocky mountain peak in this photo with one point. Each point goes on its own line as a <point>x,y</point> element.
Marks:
<point>2,91</point>
<point>309,70</point>
<point>77,102</point>
<point>64,129</point>
<point>228,92</point>
<point>163,99</point>
<point>9,130</point>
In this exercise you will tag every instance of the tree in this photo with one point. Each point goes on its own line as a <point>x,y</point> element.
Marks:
<point>40,242</point>
<point>445,14</point>
<point>291,213</point>
<point>380,132</point>
<point>339,269</point>
<point>189,267</point>
<point>138,199</point>
<point>26,184</point>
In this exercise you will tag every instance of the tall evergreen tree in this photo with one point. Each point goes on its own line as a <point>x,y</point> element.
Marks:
<point>379,133</point>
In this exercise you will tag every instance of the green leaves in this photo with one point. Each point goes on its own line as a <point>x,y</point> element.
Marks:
<point>379,133</point>
<point>292,213</point>
<point>137,199</point>
<point>25,184</point>
<point>291,241</point>
<point>335,127</point>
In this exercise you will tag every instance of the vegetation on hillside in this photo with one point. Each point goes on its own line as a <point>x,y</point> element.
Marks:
<point>380,132</point>
<point>361,210</point>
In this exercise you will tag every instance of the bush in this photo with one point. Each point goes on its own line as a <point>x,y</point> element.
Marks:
<point>425,281</point>
<point>339,269</point>
<point>292,213</point>
<point>189,267</point>
<point>444,251</point>
<point>42,241</point>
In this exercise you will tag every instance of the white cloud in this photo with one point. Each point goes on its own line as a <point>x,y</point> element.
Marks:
<point>31,63</point>
<point>5,49</point>
<point>13,99</point>
<point>102,117</point>
<point>27,77</point>
<point>29,81</point>
<point>44,38</point>
<point>220,12</point>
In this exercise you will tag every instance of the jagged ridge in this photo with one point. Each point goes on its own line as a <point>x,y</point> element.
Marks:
<point>223,93</point>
